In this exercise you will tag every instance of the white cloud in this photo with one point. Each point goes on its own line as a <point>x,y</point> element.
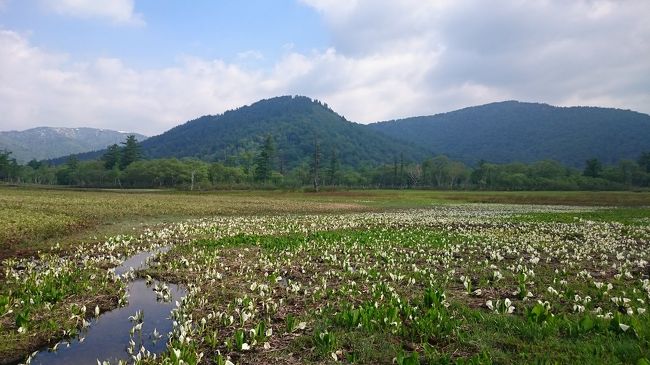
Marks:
<point>117,11</point>
<point>588,52</point>
<point>42,88</point>
<point>388,59</point>
<point>251,54</point>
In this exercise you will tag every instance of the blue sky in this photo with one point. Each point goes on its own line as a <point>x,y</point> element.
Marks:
<point>167,29</point>
<point>148,65</point>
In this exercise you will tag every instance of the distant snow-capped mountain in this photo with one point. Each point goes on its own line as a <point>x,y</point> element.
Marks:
<point>49,142</point>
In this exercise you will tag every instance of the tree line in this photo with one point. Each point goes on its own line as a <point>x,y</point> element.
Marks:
<point>123,166</point>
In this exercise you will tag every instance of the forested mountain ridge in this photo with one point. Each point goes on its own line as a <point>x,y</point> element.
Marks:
<point>295,142</point>
<point>50,142</point>
<point>502,132</point>
<point>512,131</point>
<point>296,124</point>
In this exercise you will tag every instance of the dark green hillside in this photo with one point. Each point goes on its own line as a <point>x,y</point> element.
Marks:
<point>294,122</point>
<point>514,131</point>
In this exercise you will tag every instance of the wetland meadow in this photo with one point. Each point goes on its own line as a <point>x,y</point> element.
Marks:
<point>355,277</point>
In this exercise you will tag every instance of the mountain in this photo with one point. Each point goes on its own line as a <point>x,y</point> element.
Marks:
<point>295,122</point>
<point>512,131</point>
<point>508,131</point>
<point>47,142</point>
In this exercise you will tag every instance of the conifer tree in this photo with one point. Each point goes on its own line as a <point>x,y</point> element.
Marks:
<point>264,160</point>
<point>112,157</point>
<point>130,152</point>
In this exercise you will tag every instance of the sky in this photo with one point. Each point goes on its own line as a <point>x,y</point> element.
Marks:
<point>148,65</point>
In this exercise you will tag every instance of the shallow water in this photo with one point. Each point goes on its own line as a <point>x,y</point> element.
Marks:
<point>107,337</point>
<point>138,261</point>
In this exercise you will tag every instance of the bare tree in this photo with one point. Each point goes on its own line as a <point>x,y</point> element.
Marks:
<point>315,165</point>
<point>414,173</point>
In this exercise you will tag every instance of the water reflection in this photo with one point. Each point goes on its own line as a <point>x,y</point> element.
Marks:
<point>108,337</point>
<point>138,261</point>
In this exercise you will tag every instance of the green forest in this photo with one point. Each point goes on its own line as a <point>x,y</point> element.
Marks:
<point>499,133</point>
<point>295,142</point>
<point>527,132</point>
<point>123,166</point>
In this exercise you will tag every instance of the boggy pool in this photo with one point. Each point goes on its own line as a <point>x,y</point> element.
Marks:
<point>108,337</point>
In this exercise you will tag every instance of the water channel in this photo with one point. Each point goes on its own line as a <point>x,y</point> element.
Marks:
<point>108,337</point>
